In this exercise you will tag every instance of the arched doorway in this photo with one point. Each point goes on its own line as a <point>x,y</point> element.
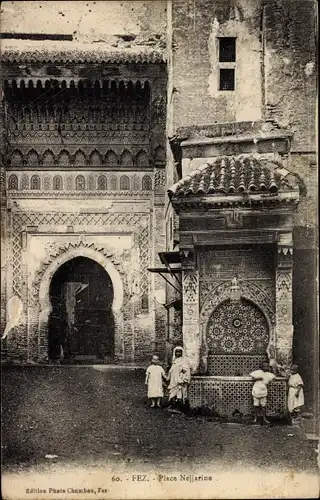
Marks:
<point>237,338</point>
<point>81,323</point>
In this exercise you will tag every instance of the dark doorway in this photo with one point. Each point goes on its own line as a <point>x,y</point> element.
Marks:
<point>81,324</point>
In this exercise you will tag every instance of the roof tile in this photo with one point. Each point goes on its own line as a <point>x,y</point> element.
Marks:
<point>231,176</point>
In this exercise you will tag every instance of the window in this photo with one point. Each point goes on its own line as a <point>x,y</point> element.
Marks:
<point>226,79</point>
<point>227,63</point>
<point>227,49</point>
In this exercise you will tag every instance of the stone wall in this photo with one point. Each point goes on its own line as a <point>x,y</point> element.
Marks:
<point>289,30</point>
<point>196,26</point>
<point>91,21</point>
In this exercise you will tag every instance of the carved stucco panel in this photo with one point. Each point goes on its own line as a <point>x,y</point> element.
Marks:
<point>284,321</point>
<point>191,337</point>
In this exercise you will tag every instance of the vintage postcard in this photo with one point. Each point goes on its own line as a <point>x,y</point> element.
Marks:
<point>159,200</point>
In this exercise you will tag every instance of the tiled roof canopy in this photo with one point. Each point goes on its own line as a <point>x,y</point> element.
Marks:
<point>231,177</point>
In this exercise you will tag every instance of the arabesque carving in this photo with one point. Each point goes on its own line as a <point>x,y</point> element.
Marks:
<point>55,251</point>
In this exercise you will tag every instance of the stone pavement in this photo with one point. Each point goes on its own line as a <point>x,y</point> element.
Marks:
<point>91,417</point>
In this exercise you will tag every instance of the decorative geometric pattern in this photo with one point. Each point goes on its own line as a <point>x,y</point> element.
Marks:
<point>71,136</point>
<point>24,182</point>
<point>190,288</point>
<point>35,182</point>
<point>46,183</point>
<point>124,183</point>
<point>144,246</point>
<point>21,220</point>
<point>13,182</point>
<point>284,284</point>
<point>263,287</point>
<point>233,364</point>
<point>16,255</point>
<point>65,159</point>
<point>221,293</point>
<point>146,183</point>
<point>237,328</point>
<point>227,395</point>
<point>80,183</point>
<point>284,317</point>
<point>159,178</point>
<point>102,182</point>
<point>87,183</point>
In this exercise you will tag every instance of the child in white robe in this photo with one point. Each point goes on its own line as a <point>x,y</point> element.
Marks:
<point>262,378</point>
<point>295,393</point>
<point>155,375</point>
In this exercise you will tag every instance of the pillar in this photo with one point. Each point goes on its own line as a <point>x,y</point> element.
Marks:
<point>190,312</point>
<point>284,318</point>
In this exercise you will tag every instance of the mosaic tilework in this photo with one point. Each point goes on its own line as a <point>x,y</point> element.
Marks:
<point>228,394</point>
<point>237,327</point>
<point>233,365</point>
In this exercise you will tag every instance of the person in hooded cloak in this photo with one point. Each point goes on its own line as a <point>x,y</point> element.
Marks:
<point>179,378</point>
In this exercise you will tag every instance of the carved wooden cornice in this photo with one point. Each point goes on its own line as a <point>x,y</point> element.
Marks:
<point>285,251</point>
<point>140,55</point>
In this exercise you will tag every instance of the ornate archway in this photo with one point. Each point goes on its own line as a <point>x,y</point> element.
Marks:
<point>42,307</point>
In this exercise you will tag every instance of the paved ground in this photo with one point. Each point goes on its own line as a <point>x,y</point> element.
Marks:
<point>94,415</point>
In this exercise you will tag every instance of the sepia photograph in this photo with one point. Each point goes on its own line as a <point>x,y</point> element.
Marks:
<point>159,249</point>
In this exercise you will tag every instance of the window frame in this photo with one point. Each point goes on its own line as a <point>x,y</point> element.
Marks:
<point>226,65</point>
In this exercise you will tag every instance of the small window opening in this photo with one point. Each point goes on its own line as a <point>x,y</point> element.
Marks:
<point>227,79</point>
<point>227,49</point>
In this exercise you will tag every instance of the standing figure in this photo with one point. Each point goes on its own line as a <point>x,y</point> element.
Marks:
<point>295,393</point>
<point>262,378</point>
<point>179,377</point>
<point>155,375</point>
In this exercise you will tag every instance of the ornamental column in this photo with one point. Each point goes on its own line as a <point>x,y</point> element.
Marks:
<point>284,320</point>
<point>190,310</point>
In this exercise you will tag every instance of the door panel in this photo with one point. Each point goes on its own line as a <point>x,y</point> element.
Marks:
<point>82,319</point>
